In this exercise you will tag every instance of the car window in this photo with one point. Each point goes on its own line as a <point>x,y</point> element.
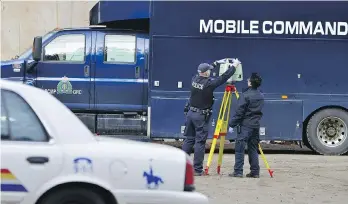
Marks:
<point>5,134</point>
<point>23,124</point>
<point>70,47</point>
<point>120,48</point>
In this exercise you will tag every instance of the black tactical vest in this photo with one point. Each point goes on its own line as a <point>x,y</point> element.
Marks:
<point>201,94</point>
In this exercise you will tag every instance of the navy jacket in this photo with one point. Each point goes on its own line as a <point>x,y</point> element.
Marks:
<point>249,110</point>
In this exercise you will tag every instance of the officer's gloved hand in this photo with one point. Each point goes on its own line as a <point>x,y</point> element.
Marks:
<point>230,130</point>
<point>236,62</point>
<point>214,64</point>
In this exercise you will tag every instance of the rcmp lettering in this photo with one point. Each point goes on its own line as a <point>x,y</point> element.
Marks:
<point>51,91</point>
<point>64,87</point>
<point>197,85</point>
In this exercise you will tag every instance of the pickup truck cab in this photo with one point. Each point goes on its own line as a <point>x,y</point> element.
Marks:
<point>50,157</point>
<point>91,70</point>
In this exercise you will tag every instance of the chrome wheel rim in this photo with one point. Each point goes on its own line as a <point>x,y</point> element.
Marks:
<point>332,131</point>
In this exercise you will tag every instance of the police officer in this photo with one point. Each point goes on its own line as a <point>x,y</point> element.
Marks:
<point>198,110</point>
<point>247,120</point>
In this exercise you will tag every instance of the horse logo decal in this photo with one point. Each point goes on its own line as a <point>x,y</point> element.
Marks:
<point>150,178</point>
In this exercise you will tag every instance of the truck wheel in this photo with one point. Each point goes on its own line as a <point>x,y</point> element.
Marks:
<point>327,132</point>
<point>305,139</point>
<point>76,196</point>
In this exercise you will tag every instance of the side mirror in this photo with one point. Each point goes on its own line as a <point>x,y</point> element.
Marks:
<point>37,48</point>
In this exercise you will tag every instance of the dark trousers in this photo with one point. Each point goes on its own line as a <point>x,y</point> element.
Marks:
<point>196,133</point>
<point>250,137</point>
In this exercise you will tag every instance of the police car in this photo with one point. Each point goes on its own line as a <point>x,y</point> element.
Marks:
<point>50,157</point>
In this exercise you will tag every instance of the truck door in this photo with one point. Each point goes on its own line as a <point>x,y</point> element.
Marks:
<point>64,70</point>
<point>119,77</point>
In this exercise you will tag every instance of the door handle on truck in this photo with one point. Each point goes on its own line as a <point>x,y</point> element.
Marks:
<point>137,72</point>
<point>37,160</point>
<point>86,70</point>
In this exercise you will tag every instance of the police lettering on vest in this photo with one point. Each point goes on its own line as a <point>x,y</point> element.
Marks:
<point>197,85</point>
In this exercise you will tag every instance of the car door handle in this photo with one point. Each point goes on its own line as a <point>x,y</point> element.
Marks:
<point>37,160</point>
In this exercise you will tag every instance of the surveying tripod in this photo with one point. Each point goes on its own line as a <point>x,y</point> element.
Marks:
<point>222,127</point>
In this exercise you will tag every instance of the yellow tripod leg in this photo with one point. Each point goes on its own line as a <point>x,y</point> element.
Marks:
<point>221,152</point>
<point>266,163</point>
<point>223,131</point>
<point>216,135</point>
<point>212,148</point>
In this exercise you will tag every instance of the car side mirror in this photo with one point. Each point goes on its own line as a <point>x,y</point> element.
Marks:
<point>37,48</point>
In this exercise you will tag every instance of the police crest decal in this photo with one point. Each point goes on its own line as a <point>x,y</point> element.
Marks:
<point>64,86</point>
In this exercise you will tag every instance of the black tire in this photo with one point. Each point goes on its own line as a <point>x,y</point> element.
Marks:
<point>76,195</point>
<point>305,139</point>
<point>314,139</point>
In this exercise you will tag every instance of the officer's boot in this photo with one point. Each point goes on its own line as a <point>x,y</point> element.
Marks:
<point>250,175</point>
<point>235,175</point>
<point>198,173</point>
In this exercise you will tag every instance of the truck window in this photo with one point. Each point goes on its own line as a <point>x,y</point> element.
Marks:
<point>70,47</point>
<point>19,120</point>
<point>119,48</point>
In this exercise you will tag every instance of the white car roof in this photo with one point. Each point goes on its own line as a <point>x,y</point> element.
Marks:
<point>58,120</point>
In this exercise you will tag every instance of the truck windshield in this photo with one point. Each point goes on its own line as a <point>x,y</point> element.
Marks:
<point>27,52</point>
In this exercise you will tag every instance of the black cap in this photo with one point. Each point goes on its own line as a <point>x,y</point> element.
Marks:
<point>203,67</point>
<point>255,80</point>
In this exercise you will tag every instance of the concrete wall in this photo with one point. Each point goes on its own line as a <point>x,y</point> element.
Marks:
<point>21,21</point>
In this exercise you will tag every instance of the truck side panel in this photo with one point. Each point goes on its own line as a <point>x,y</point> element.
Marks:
<point>282,118</point>
<point>191,12</point>
<point>297,70</point>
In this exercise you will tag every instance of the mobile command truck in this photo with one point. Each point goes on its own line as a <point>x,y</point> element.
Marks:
<point>132,76</point>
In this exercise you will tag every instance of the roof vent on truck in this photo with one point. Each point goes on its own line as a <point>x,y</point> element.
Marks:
<point>97,26</point>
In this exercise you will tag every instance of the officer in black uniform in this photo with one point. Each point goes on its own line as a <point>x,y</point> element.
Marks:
<point>247,120</point>
<point>198,110</point>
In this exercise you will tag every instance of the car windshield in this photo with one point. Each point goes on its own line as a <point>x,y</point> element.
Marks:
<point>28,52</point>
